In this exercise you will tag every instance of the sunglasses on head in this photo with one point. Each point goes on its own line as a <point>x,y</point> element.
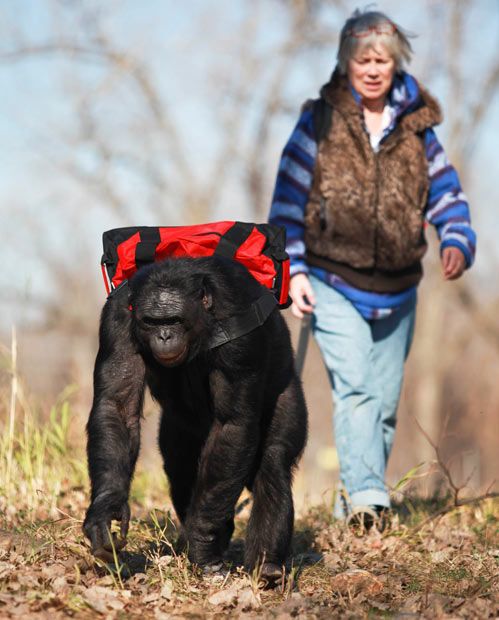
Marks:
<point>384,28</point>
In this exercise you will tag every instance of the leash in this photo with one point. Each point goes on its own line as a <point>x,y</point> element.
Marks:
<point>301,349</point>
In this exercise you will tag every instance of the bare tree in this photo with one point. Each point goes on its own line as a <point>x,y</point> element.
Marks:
<point>471,88</point>
<point>125,147</point>
<point>139,142</point>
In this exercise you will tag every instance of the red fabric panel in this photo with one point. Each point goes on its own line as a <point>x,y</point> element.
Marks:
<point>193,241</point>
<point>126,259</point>
<point>284,282</point>
<point>249,254</point>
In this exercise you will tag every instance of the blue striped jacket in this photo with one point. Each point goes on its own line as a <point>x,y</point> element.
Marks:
<point>447,206</point>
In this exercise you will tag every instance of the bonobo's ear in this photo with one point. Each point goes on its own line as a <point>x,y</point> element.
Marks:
<point>206,296</point>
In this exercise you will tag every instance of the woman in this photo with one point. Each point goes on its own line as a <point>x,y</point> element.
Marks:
<point>354,202</point>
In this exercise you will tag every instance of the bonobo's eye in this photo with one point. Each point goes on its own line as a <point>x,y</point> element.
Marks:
<point>163,320</point>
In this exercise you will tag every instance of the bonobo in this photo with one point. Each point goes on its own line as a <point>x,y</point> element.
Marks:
<point>233,414</point>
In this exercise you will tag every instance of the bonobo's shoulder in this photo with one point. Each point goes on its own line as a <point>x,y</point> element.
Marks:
<point>115,323</point>
<point>116,307</point>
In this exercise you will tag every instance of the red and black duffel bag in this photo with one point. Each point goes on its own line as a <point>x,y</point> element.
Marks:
<point>259,247</point>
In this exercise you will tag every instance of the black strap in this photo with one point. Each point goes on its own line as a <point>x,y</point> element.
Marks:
<point>145,250</point>
<point>122,287</point>
<point>232,240</point>
<point>322,118</point>
<point>244,323</point>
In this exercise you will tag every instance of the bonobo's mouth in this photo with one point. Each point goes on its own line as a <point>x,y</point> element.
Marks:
<point>172,360</point>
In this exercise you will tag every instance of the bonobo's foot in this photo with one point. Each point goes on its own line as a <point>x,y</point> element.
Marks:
<point>271,574</point>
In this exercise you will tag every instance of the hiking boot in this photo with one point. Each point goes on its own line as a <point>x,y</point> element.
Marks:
<point>364,518</point>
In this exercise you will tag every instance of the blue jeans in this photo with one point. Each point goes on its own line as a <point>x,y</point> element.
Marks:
<point>365,362</point>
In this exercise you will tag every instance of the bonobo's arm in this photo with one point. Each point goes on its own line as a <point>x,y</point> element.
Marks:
<point>226,460</point>
<point>113,427</point>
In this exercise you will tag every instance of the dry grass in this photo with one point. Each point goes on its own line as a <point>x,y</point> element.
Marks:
<point>446,568</point>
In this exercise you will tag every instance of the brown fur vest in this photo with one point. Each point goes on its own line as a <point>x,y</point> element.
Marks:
<point>364,218</point>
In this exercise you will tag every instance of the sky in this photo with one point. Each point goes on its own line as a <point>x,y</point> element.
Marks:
<point>185,43</point>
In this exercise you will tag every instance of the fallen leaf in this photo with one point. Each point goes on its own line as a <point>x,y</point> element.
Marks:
<point>441,555</point>
<point>225,598</point>
<point>6,569</point>
<point>167,589</point>
<point>28,580</point>
<point>115,603</point>
<point>102,599</point>
<point>411,604</point>
<point>6,539</point>
<point>13,586</point>
<point>161,615</point>
<point>151,598</point>
<point>60,584</point>
<point>247,600</point>
<point>165,560</point>
<point>107,580</point>
<point>355,581</point>
<point>22,610</point>
<point>332,560</point>
<point>51,571</point>
<point>294,606</point>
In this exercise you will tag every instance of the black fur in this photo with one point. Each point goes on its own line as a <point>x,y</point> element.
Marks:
<point>233,416</point>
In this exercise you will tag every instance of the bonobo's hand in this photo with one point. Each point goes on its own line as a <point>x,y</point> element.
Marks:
<point>97,525</point>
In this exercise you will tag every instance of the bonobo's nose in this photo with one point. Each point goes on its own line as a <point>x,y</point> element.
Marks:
<point>164,336</point>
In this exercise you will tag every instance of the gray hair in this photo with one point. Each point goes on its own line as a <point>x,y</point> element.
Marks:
<point>366,29</point>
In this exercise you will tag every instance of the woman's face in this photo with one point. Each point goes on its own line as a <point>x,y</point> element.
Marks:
<point>371,73</point>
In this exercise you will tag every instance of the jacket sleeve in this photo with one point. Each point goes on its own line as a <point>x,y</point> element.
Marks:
<point>447,207</point>
<point>292,188</point>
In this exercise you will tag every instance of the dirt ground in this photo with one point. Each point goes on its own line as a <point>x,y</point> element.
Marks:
<point>420,567</point>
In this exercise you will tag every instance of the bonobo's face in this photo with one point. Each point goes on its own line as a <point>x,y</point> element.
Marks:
<point>168,321</point>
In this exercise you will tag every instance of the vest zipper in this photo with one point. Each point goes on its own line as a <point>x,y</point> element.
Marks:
<point>322,214</point>
<point>376,205</point>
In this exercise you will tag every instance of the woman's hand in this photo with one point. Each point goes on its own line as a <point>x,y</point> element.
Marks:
<point>302,294</point>
<point>453,263</point>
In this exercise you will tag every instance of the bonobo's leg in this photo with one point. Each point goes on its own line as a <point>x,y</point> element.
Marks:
<point>180,447</point>
<point>113,428</point>
<point>270,526</point>
<point>224,466</point>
